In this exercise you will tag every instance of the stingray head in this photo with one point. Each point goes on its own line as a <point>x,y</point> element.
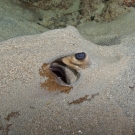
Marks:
<point>64,71</point>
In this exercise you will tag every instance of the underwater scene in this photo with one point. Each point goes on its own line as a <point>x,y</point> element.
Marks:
<point>67,67</point>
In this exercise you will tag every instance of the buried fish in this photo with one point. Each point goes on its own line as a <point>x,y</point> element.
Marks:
<point>63,53</point>
<point>56,73</point>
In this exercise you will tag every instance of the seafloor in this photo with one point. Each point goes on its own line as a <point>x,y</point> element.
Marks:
<point>100,98</point>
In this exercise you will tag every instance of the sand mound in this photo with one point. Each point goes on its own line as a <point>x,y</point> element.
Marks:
<point>101,101</point>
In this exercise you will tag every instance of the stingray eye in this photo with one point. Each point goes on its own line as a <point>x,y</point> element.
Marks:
<point>80,56</point>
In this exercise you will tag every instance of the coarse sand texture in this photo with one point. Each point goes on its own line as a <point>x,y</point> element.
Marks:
<point>100,102</point>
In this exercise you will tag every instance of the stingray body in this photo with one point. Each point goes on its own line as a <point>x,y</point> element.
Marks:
<point>102,96</point>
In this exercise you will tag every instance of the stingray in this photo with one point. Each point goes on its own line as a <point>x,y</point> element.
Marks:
<point>59,83</point>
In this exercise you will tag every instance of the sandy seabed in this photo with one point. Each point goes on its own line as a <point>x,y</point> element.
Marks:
<point>108,83</point>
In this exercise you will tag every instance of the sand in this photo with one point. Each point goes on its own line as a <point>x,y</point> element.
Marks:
<point>109,33</point>
<point>26,108</point>
<point>101,101</point>
<point>17,21</point>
